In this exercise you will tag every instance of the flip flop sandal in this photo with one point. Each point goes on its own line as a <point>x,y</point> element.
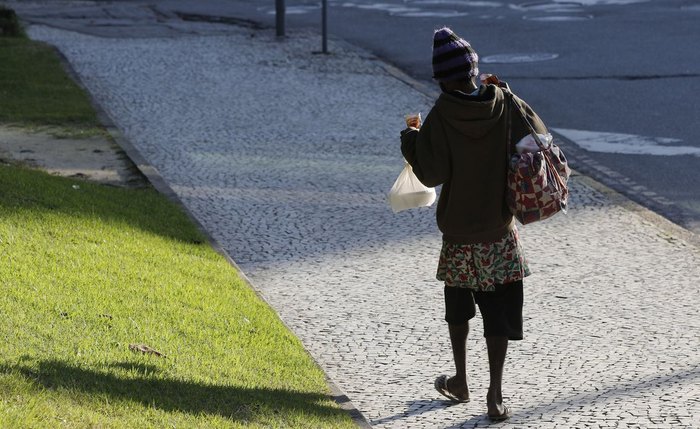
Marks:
<point>441,387</point>
<point>500,417</point>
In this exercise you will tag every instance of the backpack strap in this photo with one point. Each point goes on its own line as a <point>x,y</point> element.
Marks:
<point>511,97</point>
<point>509,120</point>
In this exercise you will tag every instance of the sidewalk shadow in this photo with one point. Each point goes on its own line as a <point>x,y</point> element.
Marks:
<point>419,407</point>
<point>686,376</point>
<point>231,402</point>
<point>416,408</point>
<point>576,402</point>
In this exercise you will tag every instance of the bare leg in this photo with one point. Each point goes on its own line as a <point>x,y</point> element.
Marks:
<point>497,348</point>
<point>458,337</point>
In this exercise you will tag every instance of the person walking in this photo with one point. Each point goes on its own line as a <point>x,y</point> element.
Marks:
<point>462,145</point>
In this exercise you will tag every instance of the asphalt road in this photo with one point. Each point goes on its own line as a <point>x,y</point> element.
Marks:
<point>615,78</point>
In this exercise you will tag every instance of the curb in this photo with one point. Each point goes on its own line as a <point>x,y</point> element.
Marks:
<point>675,231</point>
<point>152,175</point>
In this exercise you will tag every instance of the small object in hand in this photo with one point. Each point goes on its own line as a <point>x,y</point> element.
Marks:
<point>145,350</point>
<point>413,120</point>
<point>487,79</point>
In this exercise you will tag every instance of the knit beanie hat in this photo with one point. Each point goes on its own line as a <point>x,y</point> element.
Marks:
<point>453,57</point>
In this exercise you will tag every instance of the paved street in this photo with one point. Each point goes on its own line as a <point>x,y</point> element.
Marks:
<point>286,156</point>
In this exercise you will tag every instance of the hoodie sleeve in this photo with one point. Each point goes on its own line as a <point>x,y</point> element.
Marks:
<point>427,152</point>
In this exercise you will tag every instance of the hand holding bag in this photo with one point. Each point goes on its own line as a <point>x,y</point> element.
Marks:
<point>537,181</point>
<point>408,192</point>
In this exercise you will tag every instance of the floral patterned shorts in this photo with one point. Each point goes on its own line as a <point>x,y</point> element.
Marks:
<point>482,266</point>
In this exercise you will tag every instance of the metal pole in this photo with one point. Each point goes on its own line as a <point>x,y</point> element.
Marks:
<point>279,15</point>
<point>324,26</point>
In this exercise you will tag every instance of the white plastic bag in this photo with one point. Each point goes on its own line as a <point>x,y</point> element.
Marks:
<point>408,192</point>
<point>528,143</point>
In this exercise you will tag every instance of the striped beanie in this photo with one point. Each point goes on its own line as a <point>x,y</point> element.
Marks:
<point>453,57</point>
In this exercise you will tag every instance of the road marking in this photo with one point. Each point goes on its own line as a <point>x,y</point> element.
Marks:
<point>558,18</point>
<point>517,58</point>
<point>384,7</point>
<point>407,11</point>
<point>294,10</point>
<point>603,2</point>
<point>628,144</point>
<point>460,3</point>
<point>426,14</point>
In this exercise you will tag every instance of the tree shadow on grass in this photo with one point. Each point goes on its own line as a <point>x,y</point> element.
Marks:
<point>231,402</point>
<point>35,192</point>
<point>133,366</point>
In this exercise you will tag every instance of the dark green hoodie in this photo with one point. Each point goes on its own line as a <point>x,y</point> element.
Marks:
<point>462,146</point>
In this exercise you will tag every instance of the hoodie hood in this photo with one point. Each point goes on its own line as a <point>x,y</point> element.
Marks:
<point>472,116</point>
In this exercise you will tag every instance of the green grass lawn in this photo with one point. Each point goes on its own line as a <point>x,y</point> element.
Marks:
<point>86,271</point>
<point>36,92</point>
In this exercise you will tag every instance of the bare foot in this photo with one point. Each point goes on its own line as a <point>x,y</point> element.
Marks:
<point>496,410</point>
<point>458,388</point>
<point>452,389</point>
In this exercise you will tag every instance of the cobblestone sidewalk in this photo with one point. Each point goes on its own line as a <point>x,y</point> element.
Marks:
<point>286,156</point>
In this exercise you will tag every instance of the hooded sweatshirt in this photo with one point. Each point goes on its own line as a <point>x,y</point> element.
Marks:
<point>462,146</point>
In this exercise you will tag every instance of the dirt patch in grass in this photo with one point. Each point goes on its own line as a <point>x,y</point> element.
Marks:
<point>95,158</point>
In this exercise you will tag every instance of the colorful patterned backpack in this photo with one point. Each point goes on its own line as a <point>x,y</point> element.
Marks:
<point>537,181</point>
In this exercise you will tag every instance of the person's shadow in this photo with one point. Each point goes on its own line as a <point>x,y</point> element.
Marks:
<point>603,395</point>
<point>231,402</point>
<point>422,406</point>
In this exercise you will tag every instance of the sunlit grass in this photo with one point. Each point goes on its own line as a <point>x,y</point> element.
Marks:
<point>87,270</point>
